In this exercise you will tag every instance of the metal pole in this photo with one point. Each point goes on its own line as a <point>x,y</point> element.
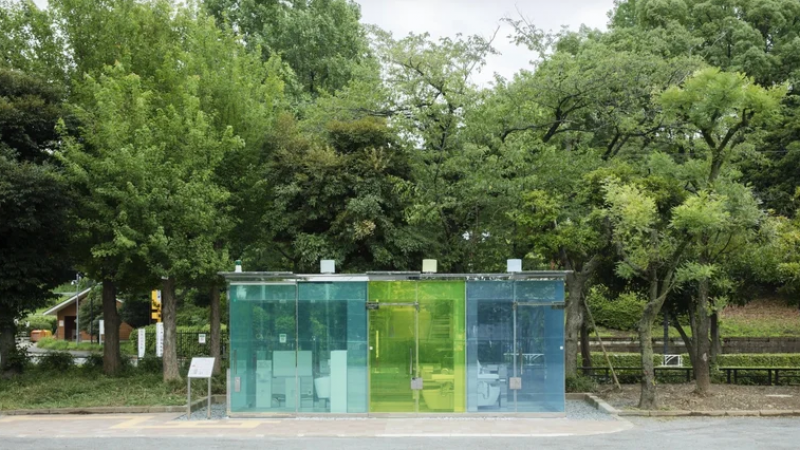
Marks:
<point>91,320</point>
<point>189,399</point>
<point>208,416</point>
<point>666,336</point>
<point>77,308</point>
<point>514,355</point>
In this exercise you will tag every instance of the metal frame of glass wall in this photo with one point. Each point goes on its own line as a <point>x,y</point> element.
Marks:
<point>405,343</point>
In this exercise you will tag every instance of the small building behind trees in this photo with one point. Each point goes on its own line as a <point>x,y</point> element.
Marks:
<point>66,313</point>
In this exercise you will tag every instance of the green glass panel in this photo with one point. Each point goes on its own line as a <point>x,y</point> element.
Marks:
<point>332,364</point>
<point>263,345</point>
<point>442,342</point>
<point>423,339</point>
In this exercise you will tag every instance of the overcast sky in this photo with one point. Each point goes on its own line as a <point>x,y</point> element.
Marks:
<point>448,17</point>
<point>482,17</point>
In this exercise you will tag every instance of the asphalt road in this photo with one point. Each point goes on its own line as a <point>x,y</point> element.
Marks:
<point>655,434</point>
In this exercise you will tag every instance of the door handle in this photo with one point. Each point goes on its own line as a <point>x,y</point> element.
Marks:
<point>411,362</point>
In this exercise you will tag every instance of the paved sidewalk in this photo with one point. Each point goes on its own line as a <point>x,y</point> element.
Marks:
<point>164,425</point>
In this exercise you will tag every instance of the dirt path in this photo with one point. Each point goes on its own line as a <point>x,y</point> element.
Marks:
<point>722,397</point>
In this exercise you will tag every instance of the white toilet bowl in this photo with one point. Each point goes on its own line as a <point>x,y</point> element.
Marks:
<point>323,387</point>
<point>488,390</point>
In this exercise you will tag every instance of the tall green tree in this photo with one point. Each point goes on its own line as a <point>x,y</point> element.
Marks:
<point>730,114</point>
<point>321,40</point>
<point>35,203</point>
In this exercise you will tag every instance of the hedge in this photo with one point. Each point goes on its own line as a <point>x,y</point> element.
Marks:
<point>187,341</point>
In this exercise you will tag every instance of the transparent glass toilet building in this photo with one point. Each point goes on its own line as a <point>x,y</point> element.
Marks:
<point>396,343</point>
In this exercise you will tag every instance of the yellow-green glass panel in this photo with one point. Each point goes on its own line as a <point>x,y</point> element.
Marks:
<point>417,331</point>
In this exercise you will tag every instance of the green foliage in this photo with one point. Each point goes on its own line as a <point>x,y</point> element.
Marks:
<point>759,360</point>
<point>338,198</point>
<point>136,310</point>
<point>187,343</point>
<point>38,322</point>
<point>580,384</point>
<point>322,40</point>
<point>622,313</point>
<point>56,362</point>
<point>50,343</point>
<point>75,388</point>
<point>91,311</point>
<point>150,364</point>
<point>17,361</point>
<point>93,363</point>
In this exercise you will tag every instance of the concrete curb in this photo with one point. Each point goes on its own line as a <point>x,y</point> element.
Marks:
<point>198,404</point>
<point>606,407</point>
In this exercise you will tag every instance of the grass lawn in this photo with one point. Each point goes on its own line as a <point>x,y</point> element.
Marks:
<point>759,318</point>
<point>49,343</point>
<point>80,387</point>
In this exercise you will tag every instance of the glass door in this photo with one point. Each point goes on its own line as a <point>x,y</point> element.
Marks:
<point>395,380</point>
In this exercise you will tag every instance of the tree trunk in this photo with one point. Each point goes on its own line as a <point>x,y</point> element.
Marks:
<point>701,343</point>
<point>687,341</point>
<point>574,322</point>
<point>716,342</point>
<point>168,310</point>
<point>112,360</point>
<point>216,340</point>
<point>647,397</point>
<point>7,343</point>
<point>586,351</point>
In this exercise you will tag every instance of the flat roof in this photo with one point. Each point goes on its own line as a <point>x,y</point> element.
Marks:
<point>392,276</point>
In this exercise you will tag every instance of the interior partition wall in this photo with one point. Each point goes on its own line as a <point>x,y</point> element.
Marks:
<point>515,342</point>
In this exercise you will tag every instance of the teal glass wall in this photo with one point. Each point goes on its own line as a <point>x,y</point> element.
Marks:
<point>332,352</point>
<point>263,331</point>
<point>515,335</point>
<point>298,347</point>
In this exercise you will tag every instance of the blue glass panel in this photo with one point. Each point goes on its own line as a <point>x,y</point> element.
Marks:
<point>515,337</point>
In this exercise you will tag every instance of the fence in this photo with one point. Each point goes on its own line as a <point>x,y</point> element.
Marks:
<point>187,343</point>
<point>732,375</point>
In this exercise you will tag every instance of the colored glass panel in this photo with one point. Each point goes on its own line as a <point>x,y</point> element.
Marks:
<point>515,358</point>
<point>417,331</point>
<point>263,347</point>
<point>332,347</point>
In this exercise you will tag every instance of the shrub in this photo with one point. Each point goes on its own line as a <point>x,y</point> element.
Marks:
<point>93,362</point>
<point>150,364</point>
<point>56,362</point>
<point>621,313</point>
<point>18,360</point>
<point>38,322</point>
<point>580,384</point>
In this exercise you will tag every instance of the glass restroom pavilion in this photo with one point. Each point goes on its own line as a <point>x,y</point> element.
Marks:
<point>396,343</point>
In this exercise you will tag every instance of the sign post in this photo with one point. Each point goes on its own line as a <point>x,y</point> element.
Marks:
<point>160,339</point>
<point>141,342</point>
<point>200,368</point>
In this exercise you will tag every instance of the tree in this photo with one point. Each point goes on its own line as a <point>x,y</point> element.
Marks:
<point>321,40</point>
<point>594,104</point>
<point>638,210</point>
<point>35,203</point>
<point>336,198</point>
<point>729,113</point>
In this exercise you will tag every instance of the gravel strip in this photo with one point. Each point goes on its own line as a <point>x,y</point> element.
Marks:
<point>217,412</point>
<point>580,410</point>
